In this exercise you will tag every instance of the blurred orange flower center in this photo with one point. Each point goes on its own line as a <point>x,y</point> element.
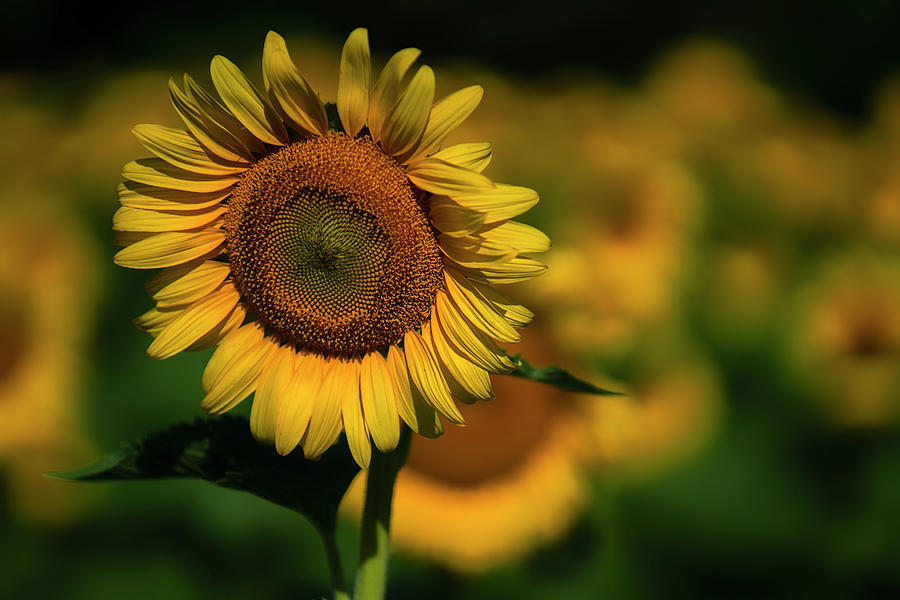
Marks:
<point>500,436</point>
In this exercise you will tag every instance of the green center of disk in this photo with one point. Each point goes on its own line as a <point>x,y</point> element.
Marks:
<point>331,253</point>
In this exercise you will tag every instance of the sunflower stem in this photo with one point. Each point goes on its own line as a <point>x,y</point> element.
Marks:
<point>334,565</point>
<point>374,546</point>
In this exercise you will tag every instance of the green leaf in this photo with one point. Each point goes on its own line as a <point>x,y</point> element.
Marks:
<point>222,451</point>
<point>556,377</point>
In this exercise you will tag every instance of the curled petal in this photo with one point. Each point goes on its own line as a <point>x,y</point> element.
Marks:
<point>388,88</point>
<point>246,103</point>
<point>291,95</point>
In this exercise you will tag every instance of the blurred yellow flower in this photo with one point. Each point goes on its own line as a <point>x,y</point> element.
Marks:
<point>618,273</point>
<point>880,206</point>
<point>26,127</point>
<point>98,141</point>
<point>742,287</point>
<point>845,345</point>
<point>47,295</point>
<point>805,170</point>
<point>472,499</point>
<point>671,411</point>
<point>711,92</point>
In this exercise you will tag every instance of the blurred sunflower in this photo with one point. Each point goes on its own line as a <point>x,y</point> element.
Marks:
<point>24,123</point>
<point>618,275</point>
<point>671,410</point>
<point>845,343</point>
<point>343,263</point>
<point>97,143</point>
<point>880,206</point>
<point>47,290</point>
<point>710,90</point>
<point>467,501</point>
<point>806,170</point>
<point>742,285</point>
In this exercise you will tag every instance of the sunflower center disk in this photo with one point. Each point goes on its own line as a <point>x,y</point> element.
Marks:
<point>330,247</point>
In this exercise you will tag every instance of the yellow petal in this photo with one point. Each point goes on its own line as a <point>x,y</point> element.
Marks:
<point>238,379</point>
<point>440,177</point>
<point>387,89</point>
<point>325,420</point>
<point>411,407</point>
<point>271,394</point>
<point>477,311</point>
<point>170,249</point>
<point>146,197</point>
<point>352,415</point>
<point>159,173</point>
<point>467,382</point>
<point>515,314</point>
<point>192,285</point>
<point>154,320</point>
<point>301,399</point>
<point>246,103</point>
<point>181,150</point>
<point>452,219</point>
<point>211,107</point>
<point>445,116</point>
<point>466,340</point>
<point>379,402</point>
<point>194,322</point>
<point>475,156</point>
<point>231,348</point>
<point>164,277</point>
<point>127,238</point>
<point>212,135</point>
<point>353,82</point>
<point>520,236</point>
<point>215,335</point>
<point>137,219</point>
<point>513,271</point>
<point>473,252</point>
<point>406,121</point>
<point>498,204</point>
<point>289,91</point>
<point>427,378</point>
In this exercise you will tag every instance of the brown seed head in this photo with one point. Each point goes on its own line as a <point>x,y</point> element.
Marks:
<point>330,246</point>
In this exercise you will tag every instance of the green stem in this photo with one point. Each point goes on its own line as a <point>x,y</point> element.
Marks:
<point>334,565</point>
<point>374,546</point>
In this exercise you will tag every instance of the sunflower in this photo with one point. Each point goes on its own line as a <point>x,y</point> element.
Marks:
<point>844,340</point>
<point>343,261</point>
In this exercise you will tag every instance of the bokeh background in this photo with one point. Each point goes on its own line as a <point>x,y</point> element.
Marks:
<point>722,185</point>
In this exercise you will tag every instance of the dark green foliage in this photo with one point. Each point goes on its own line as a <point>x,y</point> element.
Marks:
<point>222,451</point>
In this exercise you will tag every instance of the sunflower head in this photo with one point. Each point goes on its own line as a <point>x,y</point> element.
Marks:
<point>845,341</point>
<point>343,266</point>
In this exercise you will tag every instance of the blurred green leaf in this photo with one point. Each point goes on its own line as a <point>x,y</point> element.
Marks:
<point>557,377</point>
<point>223,451</point>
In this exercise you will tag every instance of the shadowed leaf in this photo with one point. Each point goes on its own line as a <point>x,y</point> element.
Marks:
<point>222,451</point>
